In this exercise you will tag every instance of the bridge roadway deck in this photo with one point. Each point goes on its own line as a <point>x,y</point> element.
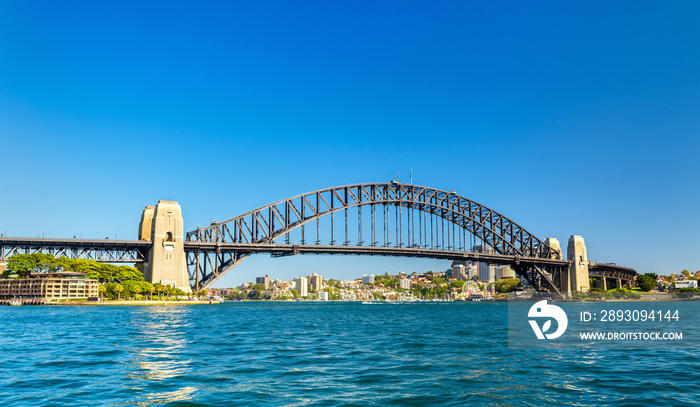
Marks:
<point>107,250</point>
<point>82,243</point>
<point>134,251</point>
<point>611,271</point>
<point>289,250</point>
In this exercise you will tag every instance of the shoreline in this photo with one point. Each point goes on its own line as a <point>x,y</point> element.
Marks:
<point>163,302</point>
<point>27,302</point>
<point>117,303</point>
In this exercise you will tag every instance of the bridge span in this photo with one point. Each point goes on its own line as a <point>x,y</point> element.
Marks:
<point>104,250</point>
<point>378,219</point>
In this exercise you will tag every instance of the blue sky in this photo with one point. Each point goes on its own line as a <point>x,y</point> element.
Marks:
<point>568,117</point>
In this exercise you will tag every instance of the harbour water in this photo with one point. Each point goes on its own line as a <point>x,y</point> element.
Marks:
<point>318,354</point>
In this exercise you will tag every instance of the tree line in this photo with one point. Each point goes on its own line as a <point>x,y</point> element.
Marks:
<point>20,265</point>
<point>116,282</point>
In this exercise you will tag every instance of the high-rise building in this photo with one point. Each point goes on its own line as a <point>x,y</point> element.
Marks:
<point>472,271</point>
<point>302,286</point>
<point>368,279</point>
<point>504,272</point>
<point>315,282</point>
<point>487,271</point>
<point>459,272</point>
<point>405,283</point>
<point>263,280</point>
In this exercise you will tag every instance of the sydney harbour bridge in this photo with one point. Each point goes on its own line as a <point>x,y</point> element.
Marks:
<point>377,219</point>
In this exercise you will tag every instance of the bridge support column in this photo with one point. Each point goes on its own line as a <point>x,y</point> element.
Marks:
<point>618,283</point>
<point>601,283</point>
<point>167,262</point>
<point>553,242</point>
<point>578,271</point>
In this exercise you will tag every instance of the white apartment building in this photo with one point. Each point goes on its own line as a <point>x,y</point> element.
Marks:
<point>302,286</point>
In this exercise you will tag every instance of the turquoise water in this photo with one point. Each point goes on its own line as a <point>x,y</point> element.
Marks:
<point>317,354</point>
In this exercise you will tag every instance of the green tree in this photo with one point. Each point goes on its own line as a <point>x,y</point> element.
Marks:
<point>47,263</point>
<point>89,267</point>
<point>175,292</point>
<point>20,264</point>
<point>23,264</point>
<point>457,284</point>
<point>295,293</point>
<point>126,273</point>
<point>507,285</point>
<point>334,283</point>
<point>137,289</point>
<point>160,289</point>
<point>118,288</point>
<point>377,296</point>
<point>101,289</point>
<point>646,282</point>
<point>236,295</point>
<point>687,290</point>
<point>148,288</point>
<point>103,272</point>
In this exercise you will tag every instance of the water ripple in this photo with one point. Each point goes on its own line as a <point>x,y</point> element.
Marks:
<point>297,354</point>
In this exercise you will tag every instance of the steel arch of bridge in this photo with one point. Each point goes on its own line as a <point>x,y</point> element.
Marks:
<point>214,250</point>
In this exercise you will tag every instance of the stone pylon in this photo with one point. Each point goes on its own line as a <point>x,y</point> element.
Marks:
<point>553,242</point>
<point>167,262</point>
<point>578,277</point>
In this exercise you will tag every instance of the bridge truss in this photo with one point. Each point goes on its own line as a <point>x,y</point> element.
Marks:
<point>388,219</point>
<point>609,270</point>
<point>110,251</point>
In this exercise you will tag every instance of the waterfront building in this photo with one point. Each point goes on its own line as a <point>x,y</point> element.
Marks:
<point>368,279</point>
<point>686,284</point>
<point>324,296</point>
<point>64,285</point>
<point>405,283</point>
<point>315,282</point>
<point>302,286</point>
<point>263,280</point>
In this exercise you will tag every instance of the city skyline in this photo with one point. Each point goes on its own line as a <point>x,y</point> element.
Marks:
<point>593,132</point>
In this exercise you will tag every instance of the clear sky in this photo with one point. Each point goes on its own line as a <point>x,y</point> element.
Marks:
<point>568,117</point>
